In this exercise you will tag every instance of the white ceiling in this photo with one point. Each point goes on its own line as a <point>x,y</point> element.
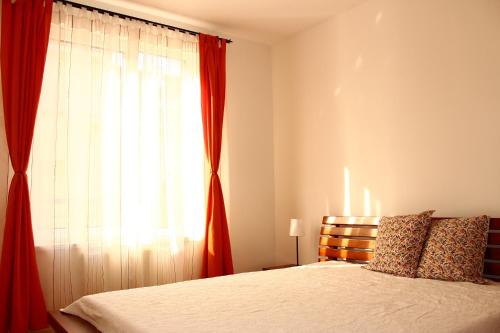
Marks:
<point>265,21</point>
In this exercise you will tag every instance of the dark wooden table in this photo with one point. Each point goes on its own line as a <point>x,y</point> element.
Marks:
<point>278,267</point>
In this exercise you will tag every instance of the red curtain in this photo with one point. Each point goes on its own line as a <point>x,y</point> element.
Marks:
<point>217,259</point>
<point>25,35</point>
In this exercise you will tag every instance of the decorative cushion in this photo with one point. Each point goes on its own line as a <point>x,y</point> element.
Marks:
<point>454,250</point>
<point>399,243</point>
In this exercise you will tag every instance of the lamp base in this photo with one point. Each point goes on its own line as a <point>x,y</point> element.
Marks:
<point>297,248</point>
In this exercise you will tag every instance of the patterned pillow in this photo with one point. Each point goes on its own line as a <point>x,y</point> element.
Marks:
<point>399,242</point>
<point>454,250</point>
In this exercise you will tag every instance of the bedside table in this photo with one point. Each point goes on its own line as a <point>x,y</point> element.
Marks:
<point>278,267</point>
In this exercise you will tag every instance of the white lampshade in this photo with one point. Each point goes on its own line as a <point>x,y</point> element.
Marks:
<point>296,228</point>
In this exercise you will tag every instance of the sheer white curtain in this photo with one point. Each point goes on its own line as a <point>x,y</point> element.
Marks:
<point>118,167</point>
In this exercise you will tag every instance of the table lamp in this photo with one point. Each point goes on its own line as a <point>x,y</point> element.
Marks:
<point>296,231</point>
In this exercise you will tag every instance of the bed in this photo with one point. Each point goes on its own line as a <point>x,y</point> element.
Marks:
<point>333,295</point>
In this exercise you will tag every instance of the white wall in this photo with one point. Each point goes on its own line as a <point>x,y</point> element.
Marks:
<point>249,136</point>
<point>404,96</point>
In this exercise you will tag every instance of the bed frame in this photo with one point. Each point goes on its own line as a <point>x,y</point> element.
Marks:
<point>65,323</point>
<point>354,238</point>
<point>342,238</point>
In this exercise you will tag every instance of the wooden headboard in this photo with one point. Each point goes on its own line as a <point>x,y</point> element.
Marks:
<point>353,238</point>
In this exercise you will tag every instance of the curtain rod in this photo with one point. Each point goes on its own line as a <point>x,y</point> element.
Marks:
<point>123,16</point>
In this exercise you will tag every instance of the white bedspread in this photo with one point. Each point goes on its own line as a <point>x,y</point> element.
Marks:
<point>326,297</point>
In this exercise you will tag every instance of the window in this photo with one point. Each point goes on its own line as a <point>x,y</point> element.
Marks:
<point>117,170</point>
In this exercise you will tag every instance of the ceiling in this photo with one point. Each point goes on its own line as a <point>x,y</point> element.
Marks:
<point>266,21</point>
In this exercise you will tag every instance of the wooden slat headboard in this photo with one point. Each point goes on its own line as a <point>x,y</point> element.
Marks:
<point>353,238</point>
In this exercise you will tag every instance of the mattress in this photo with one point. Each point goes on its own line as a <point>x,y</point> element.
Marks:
<point>321,297</point>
